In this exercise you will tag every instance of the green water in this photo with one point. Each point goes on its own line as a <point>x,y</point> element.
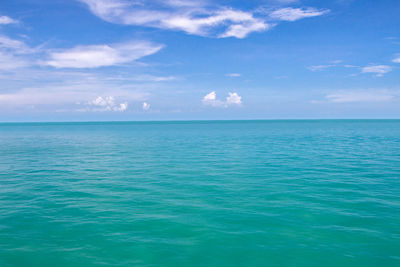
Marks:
<point>240,193</point>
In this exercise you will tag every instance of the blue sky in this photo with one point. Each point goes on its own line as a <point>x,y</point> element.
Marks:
<point>83,60</point>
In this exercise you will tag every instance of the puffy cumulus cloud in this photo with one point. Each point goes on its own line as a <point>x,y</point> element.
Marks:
<point>72,93</point>
<point>293,14</point>
<point>122,107</point>
<point>233,99</point>
<point>380,70</point>
<point>193,17</point>
<point>4,20</point>
<point>106,104</point>
<point>361,96</point>
<point>145,106</point>
<point>94,56</point>
<point>210,99</point>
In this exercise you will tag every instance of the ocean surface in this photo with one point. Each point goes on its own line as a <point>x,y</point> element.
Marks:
<point>200,193</point>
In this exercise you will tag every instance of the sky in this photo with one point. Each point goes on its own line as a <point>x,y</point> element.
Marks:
<point>102,60</point>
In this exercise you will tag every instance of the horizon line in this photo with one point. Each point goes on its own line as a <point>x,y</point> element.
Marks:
<point>204,120</point>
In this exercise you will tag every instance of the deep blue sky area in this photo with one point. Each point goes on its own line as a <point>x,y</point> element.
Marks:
<point>83,60</point>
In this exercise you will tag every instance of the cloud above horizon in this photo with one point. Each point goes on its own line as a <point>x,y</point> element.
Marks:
<point>17,54</point>
<point>210,99</point>
<point>77,93</point>
<point>233,75</point>
<point>293,14</point>
<point>360,96</point>
<point>145,106</point>
<point>379,70</point>
<point>4,20</point>
<point>13,53</point>
<point>107,103</point>
<point>193,17</point>
<point>94,56</point>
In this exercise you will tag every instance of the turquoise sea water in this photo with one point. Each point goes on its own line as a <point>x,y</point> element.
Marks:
<point>239,193</point>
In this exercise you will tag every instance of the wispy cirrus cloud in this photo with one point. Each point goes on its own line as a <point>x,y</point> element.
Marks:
<point>14,53</point>
<point>361,96</point>
<point>293,14</point>
<point>193,17</point>
<point>210,99</point>
<point>94,56</point>
<point>396,59</point>
<point>324,67</point>
<point>9,61</point>
<point>233,75</point>
<point>11,44</point>
<point>4,20</point>
<point>379,70</point>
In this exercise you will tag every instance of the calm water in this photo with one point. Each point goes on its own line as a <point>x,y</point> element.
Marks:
<point>255,193</point>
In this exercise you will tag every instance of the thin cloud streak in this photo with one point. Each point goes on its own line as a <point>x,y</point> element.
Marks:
<point>94,56</point>
<point>360,96</point>
<point>380,70</point>
<point>293,14</point>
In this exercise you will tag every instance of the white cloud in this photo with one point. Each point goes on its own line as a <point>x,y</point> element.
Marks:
<point>94,56</point>
<point>13,53</point>
<point>233,75</point>
<point>324,67</point>
<point>74,93</point>
<point>15,47</point>
<point>293,14</point>
<point>145,106</point>
<point>396,60</point>
<point>4,20</point>
<point>122,107</point>
<point>211,100</point>
<point>106,104</point>
<point>380,70</point>
<point>196,17</point>
<point>234,99</point>
<point>103,102</point>
<point>320,67</point>
<point>242,30</point>
<point>192,17</point>
<point>210,97</point>
<point>360,96</point>
<point>10,62</point>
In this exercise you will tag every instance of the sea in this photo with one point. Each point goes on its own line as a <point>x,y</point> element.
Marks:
<point>200,193</point>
